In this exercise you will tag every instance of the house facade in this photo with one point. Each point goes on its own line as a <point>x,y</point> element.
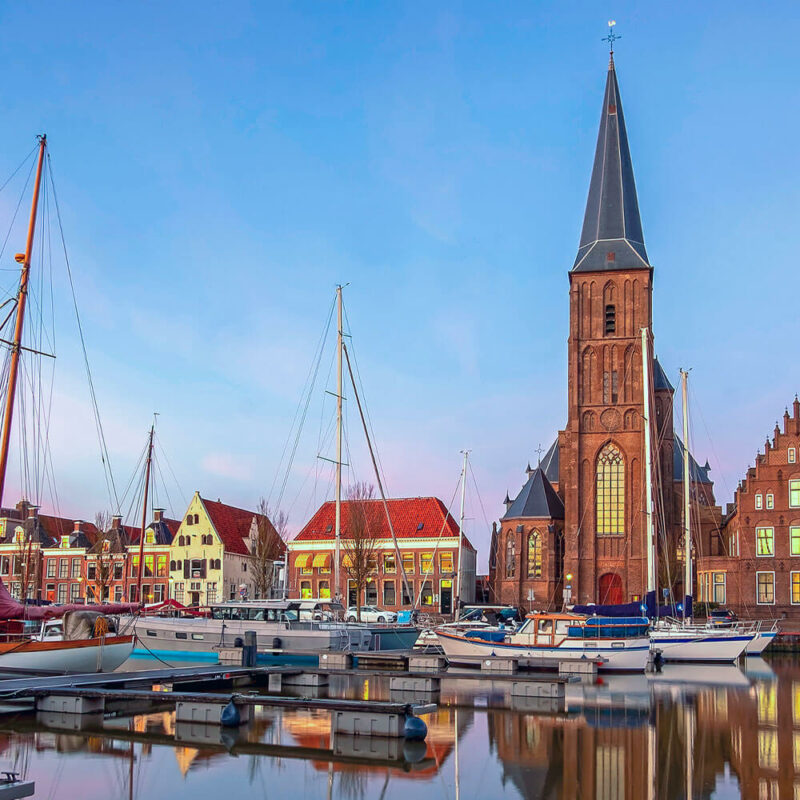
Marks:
<point>427,536</point>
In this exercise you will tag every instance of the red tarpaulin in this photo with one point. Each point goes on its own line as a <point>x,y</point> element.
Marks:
<point>13,609</point>
<point>171,604</point>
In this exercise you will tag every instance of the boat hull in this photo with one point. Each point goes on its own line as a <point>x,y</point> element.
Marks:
<point>760,642</point>
<point>704,648</point>
<point>624,655</point>
<point>104,654</point>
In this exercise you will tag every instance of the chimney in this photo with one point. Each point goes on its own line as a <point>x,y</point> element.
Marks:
<point>77,526</point>
<point>33,511</point>
<point>158,514</point>
<point>116,522</point>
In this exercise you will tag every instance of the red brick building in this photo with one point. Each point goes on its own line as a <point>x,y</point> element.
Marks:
<point>428,541</point>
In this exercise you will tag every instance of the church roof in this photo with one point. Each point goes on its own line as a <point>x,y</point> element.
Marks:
<point>660,379</point>
<point>537,499</point>
<point>697,473</point>
<point>612,235</point>
<point>550,463</point>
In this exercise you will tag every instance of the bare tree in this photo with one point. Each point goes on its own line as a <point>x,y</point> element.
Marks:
<point>26,565</point>
<point>359,537</point>
<point>272,529</point>
<point>102,521</point>
<point>103,558</point>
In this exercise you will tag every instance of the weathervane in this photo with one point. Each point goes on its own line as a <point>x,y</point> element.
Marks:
<point>539,450</point>
<point>612,37</point>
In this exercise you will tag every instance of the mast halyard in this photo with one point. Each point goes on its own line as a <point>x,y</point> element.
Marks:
<point>688,589</point>
<point>22,297</point>
<point>339,345</point>
<point>144,513</point>
<point>648,476</point>
<point>461,534</point>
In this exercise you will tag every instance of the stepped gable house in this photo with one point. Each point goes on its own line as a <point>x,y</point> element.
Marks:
<point>581,512</point>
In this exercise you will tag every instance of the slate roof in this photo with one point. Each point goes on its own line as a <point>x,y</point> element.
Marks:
<point>550,463</point>
<point>412,517</point>
<point>232,524</point>
<point>660,379</point>
<point>697,473</point>
<point>164,530</point>
<point>612,235</point>
<point>537,499</point>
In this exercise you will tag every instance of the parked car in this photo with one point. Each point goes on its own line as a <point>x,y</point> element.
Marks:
<point>722,617</point>
<point>371,614</point>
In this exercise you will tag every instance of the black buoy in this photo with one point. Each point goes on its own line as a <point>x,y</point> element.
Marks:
<point>230,717</point>
<point>276,643</point>
<point>415,729</point>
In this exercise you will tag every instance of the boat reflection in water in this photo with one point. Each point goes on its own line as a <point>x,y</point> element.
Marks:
<point>687,732</point>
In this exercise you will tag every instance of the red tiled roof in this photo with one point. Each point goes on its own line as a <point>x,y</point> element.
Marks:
<point>232,524</point>
<point>407,514</point>
<point>56,527</point>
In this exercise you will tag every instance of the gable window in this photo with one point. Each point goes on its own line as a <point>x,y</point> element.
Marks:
<point>196,519</point>
<point>765,583</point>
<point>534,555</point>
<point>770,500</point>
<point>765,541</point>
<point>794,539</point>
<point>610,491</point>
<point>150,536</point>
<point>611,319</point>
<point>511,556</point>
<point>792,455</point>
<point>65,541</point>
<point>759,501</point>
<point>190,520</point>
<point>794,493</point>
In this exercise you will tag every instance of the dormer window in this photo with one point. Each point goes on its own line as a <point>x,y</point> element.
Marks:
<point>611,319</point>
<point>19,535</point>
<point>759,501</point>
<point>792,455</point>
<point>106,545</point>
<point>150,536</point>
<point>65,541</point>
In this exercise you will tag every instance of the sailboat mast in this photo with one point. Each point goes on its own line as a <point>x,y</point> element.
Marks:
<point>339,342</point>
<point>461,532</point>
<point>144,512</point>
<point>648,475</point>
<point>688,589</point>
<point>22,298</point>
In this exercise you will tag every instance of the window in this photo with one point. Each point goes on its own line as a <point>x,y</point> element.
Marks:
<point>759,501</point>
<point>76,568</point>
<point>765,583</point>
<point>135,567</point>
<point>324,589</point>
<point>610,491</point>
<point>181,541</point>
<point>147,595</point>
<point>305,590</point>
<point>4,565</point>
<point>733,544</point>
<point>51,568</point>
<point>389,597</point>
<point>307,570</point>
<point>611,319</point>
<point>211,592</point>
<point>65,541</point>
<point>161,566</point>
<point>106,545</point>
<point>408,563</point>
<point>63,568</point>
<point>794,494</point>
<point>91,571</point>
<point>196,519</point>
<point>446,562</point>
<point>794,539</point>
<point>117,570</point>
<point>158,593</point>
<point>718,587</point>
<point>792,456</point>
<point>117,594</point>
<point>765,541</point>
<point>371,592</point>
<point>770,500</point>
<point>244,566</point>
<point>511,556</point>
<point>150,536</point>
<point>172,566</point>
<point>407,599</point>
<point>795,578</point>
<point>426,563</point>
<point>427,594</point>
<point>190,520</point>
<point>62,592</point>
<point>534,555</point>
<point>75,592</point>
<point>148,566</point>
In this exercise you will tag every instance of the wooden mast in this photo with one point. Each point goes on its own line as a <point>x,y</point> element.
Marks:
<point>144,513</point>
<point>22,297</point>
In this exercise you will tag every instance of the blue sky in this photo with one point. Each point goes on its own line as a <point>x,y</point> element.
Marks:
<point>221,166</point>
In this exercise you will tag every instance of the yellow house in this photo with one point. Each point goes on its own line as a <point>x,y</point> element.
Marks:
<point>213,553</point>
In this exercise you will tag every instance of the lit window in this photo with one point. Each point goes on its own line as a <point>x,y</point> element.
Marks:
<point>765,581</point>
<point>770,500</point>
<point>446,562</point>
<point>719,588</point>
<point>794,494</point>
<point>611,491</point>
<point>305,589</point>
<point>65,541</point>
<point>534,555</point>
<point>408,563</point>
<point>511,556</point>
<point>149,537</point>
<point>324,589</point>
<point>765,541</point>
<point>795,588</point>
<point>794,539</point>
<point>759,501</point>
<point>792,455</point>
<point>426,594</point>
<point>426,563</point>
<point>389,563</point>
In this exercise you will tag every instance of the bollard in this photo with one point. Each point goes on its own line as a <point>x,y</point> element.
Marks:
<point>250,649</point>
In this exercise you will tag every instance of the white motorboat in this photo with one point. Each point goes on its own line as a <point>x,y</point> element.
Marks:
<point>622,643</point>
<point>679,641</point>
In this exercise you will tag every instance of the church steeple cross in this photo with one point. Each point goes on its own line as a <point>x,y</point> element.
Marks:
<point>612,37</point>
<point>539,450</point>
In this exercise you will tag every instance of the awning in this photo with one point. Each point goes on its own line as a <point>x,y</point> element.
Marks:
<point>301,562</point>
<point>347,561</point>
<point>322,560</point>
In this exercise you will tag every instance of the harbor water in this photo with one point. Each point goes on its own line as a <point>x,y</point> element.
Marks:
<point>690,731</point>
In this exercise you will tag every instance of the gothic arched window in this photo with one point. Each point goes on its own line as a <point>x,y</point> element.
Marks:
<point>534,555</point>
<point>511,556</point>
<point>610,490</point>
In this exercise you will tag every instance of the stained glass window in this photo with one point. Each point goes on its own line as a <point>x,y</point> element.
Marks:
<point>534,555</point>
<point>610,491</point>
<point>511,556</point>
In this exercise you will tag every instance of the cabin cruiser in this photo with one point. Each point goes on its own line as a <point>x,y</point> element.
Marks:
<point>282,631</point>
<point>679,640</point>
<point>622,642</point>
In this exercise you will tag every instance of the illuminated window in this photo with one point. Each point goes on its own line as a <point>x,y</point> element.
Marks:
<point>795,588</point>
<point>408,563</point>
<point>426,594</point>
<point>759,500</point>
<point>324,589</point>
<point>794,539</point>
<point>768,749</point>
<point>446,562</point>
<point>149,537</point>
<point>389,564</point>
<point>765,541</point>
<point>305,589</point>
<point>765,581</point>
<point>426,563</point>
<point>794,494</point>
<point>770,500</point>
<point>792,455</point>
<point>534,555</point>
<point>65,541</point>
<point>511,556</point>
<point>610,491</point>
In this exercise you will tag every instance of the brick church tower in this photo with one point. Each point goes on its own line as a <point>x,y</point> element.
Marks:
<point>601,451</point>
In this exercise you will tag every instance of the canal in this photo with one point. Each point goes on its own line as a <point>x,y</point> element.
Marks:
<point>700,732</point>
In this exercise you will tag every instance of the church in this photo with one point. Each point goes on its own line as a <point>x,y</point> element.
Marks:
<point>576,530</point>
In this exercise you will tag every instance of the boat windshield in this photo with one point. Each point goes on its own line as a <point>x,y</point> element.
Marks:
<point>255,613</point>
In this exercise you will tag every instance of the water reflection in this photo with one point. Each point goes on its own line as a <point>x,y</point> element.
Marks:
<point>702,733</point>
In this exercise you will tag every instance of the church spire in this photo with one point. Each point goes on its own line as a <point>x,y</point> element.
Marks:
<point>612,235</point>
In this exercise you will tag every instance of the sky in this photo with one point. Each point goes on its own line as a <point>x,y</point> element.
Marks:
<point>221,167</point>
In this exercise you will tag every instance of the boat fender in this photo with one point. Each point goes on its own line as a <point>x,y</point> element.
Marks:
<point>415,729</point>
<point>276,643</point>
<point>238,642</point>
<point>230,717</point>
